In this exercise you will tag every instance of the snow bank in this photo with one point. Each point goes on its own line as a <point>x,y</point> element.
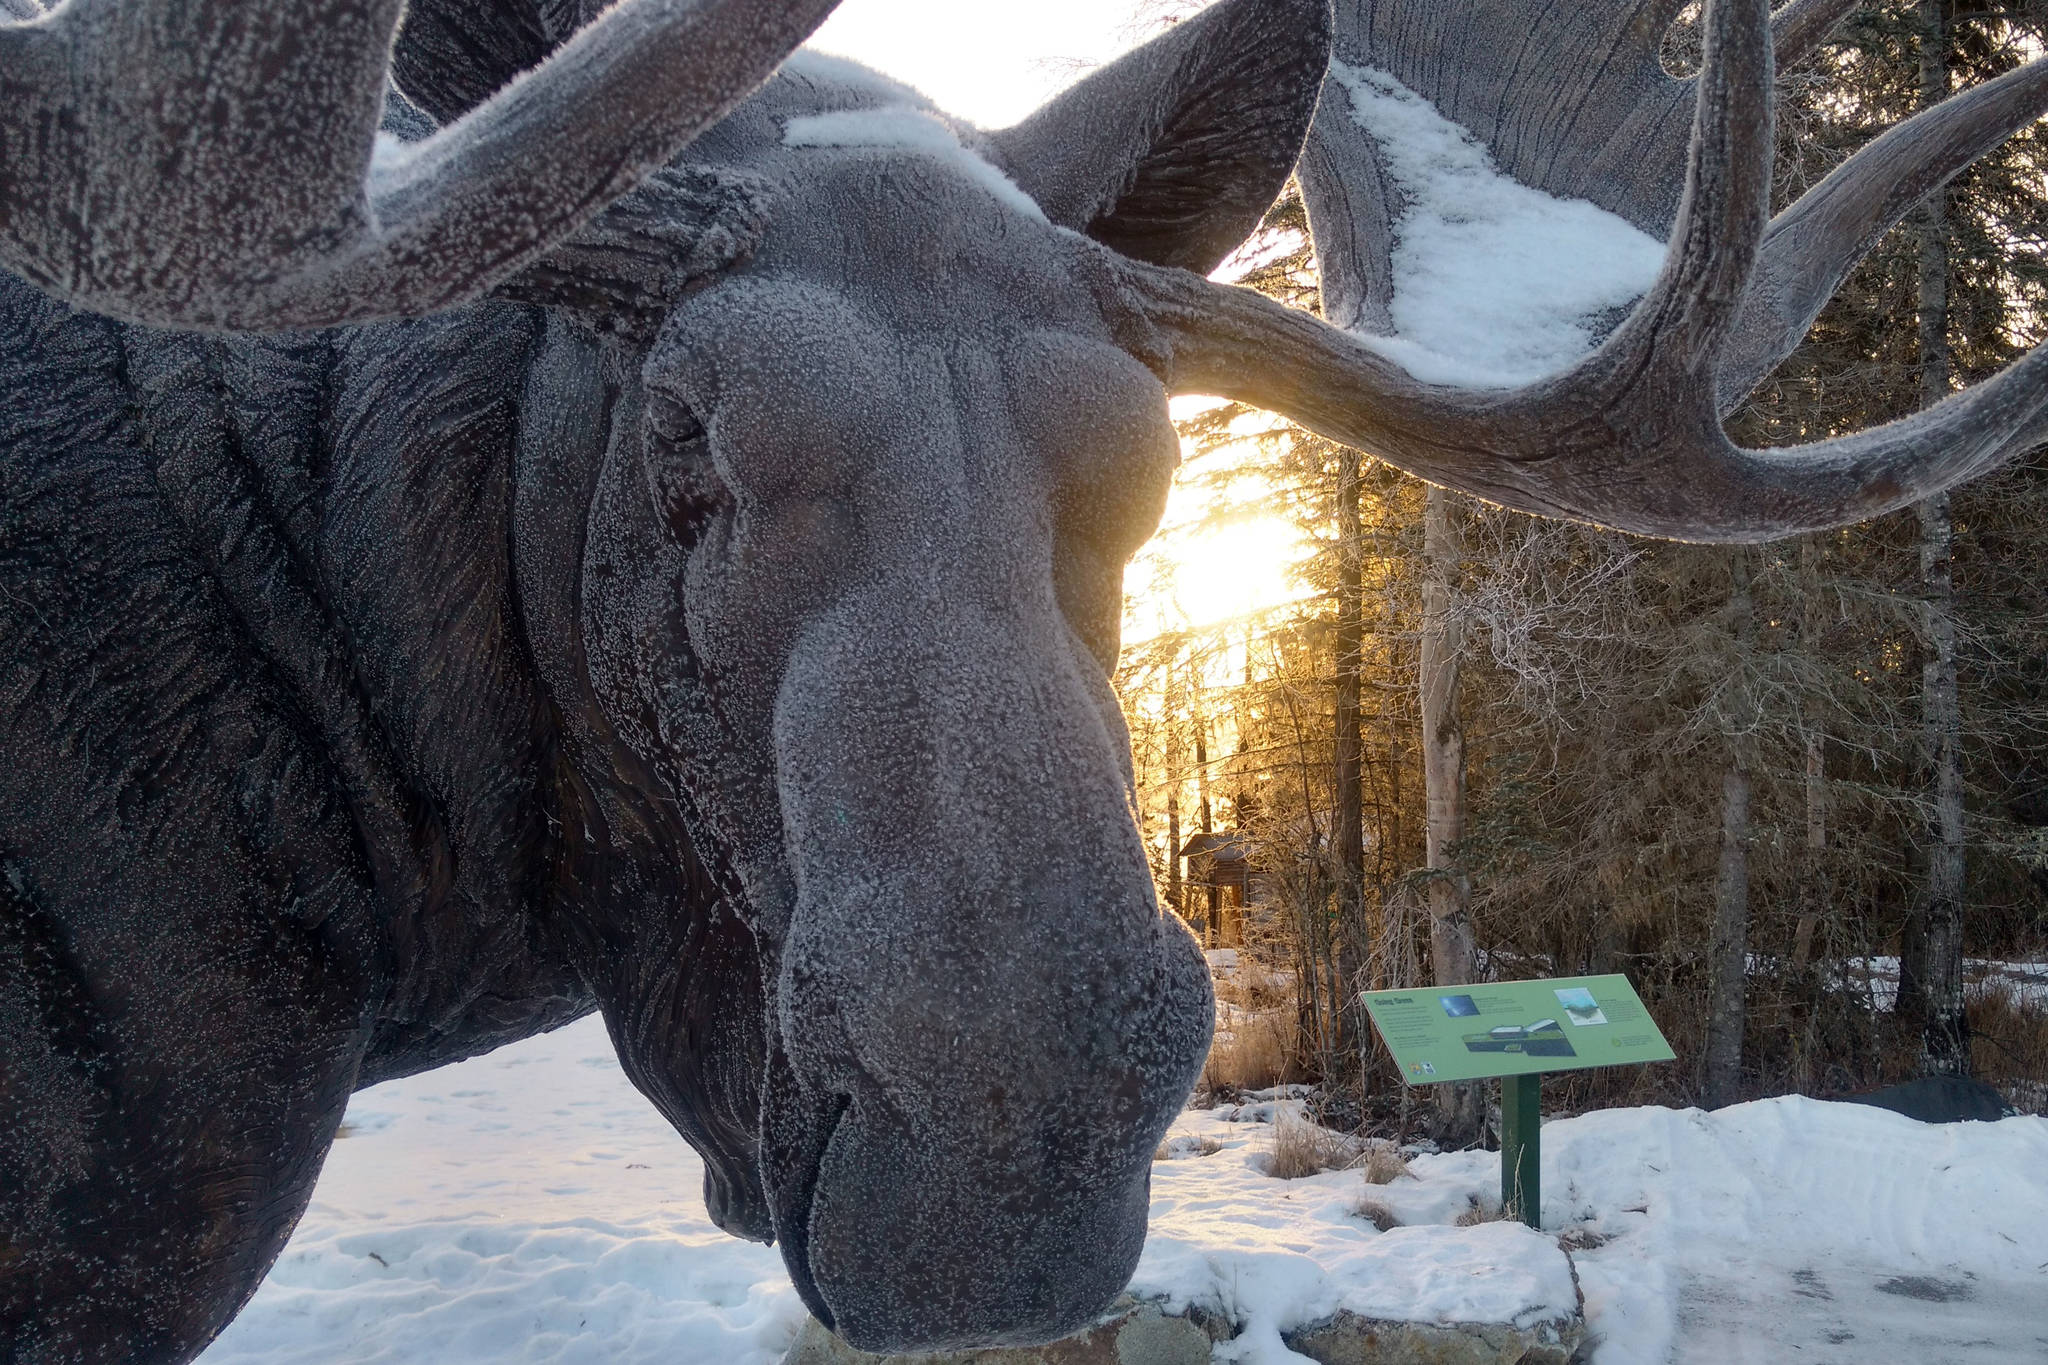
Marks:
<point>1495,284</point>
<point>1276,1255</point>
<point>530,1206</point>
<point>1720,1236</point>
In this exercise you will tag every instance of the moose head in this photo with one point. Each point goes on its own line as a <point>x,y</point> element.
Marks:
<point>898,460</point>
<point>895,419</point>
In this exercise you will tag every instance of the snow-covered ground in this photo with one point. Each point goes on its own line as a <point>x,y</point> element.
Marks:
<point>529,1206</point>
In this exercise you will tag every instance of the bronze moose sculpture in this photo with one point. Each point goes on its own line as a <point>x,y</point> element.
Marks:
<point>442,597</point>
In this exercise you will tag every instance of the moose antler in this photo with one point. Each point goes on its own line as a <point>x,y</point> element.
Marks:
<point>215,164</point>
<point>1571,100</point>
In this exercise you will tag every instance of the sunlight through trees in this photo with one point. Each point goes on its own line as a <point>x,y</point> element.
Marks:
<point>1722,772</point>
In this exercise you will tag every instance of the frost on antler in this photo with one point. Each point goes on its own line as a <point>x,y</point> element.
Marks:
<point>1573,102</point>
<point>214,165</point>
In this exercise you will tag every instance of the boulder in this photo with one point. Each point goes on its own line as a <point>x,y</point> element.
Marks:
<point>1350,1340</point>
<point>1938,1099</point>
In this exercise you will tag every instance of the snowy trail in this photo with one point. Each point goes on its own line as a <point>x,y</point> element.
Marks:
<point>1852,1315</point>
<point>1795,1229</point>
<point>529,1206</point>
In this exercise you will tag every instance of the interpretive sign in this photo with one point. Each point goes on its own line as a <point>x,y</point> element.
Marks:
<point>1515,1028</point>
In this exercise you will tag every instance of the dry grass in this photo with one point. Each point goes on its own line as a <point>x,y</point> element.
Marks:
<point>1255,987</point>
<point>1384,1164</point>
<point>1258,1041</point>
<point>1480,1211</point>
<point>1375,1212</point>
<point>1582,1239</point>
<point>1174,1148</point>
<point>1258,1052</point>
<point>2009,1047</point>
<point>1296,1148</point>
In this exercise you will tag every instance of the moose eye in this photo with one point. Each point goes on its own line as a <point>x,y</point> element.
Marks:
<point>676,460</point>
<point>670,421</point>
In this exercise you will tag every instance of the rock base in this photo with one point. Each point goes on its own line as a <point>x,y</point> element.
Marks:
<point>1140,1333</point>
<point>1349,1340</point>
<point>1132,1333</point>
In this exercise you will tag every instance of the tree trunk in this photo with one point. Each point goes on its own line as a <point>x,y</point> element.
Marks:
<point>1816,884</point>
<point>1208,827</point>
<point>1175,776</point>
<point>1931,956</point>
<point>1815,887</point>
<point>1806,982</point>
<point>1931,975</point>
<point>1173,896</point>
<point>1451,952</point>
<point>1348,838</point>
<point>1728,954</point>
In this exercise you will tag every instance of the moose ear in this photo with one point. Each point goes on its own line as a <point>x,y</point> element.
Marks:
<point>1172,153</point>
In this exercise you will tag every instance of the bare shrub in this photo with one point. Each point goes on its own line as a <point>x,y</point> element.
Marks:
<point>1384,1164</point>
<point>2009,1046</point>
<point>1375,1212</point>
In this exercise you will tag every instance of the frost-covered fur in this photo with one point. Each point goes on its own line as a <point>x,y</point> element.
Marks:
<point>909,129</point>
<point>727,653</point>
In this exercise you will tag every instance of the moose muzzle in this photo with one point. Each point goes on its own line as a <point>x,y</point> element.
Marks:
<point>984,1021</point>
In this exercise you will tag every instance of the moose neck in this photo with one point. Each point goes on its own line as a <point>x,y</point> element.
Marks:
<point>395,517</point>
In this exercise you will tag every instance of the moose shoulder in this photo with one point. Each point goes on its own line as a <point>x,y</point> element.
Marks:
<point>377,696</point>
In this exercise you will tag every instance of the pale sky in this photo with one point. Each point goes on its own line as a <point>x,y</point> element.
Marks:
<point>991,64</point>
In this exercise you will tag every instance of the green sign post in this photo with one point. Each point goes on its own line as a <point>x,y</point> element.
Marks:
<point>1516,1031</point>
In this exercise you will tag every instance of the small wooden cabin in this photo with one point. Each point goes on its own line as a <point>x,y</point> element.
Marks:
<point>1218,886</point>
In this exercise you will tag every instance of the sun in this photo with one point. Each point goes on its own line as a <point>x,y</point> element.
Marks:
<point>1226,551</point>
<point>1206,577</point>
<point>1223,553</point>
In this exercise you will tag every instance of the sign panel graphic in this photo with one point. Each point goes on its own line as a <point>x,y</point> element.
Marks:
<point>1515,1028</point>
